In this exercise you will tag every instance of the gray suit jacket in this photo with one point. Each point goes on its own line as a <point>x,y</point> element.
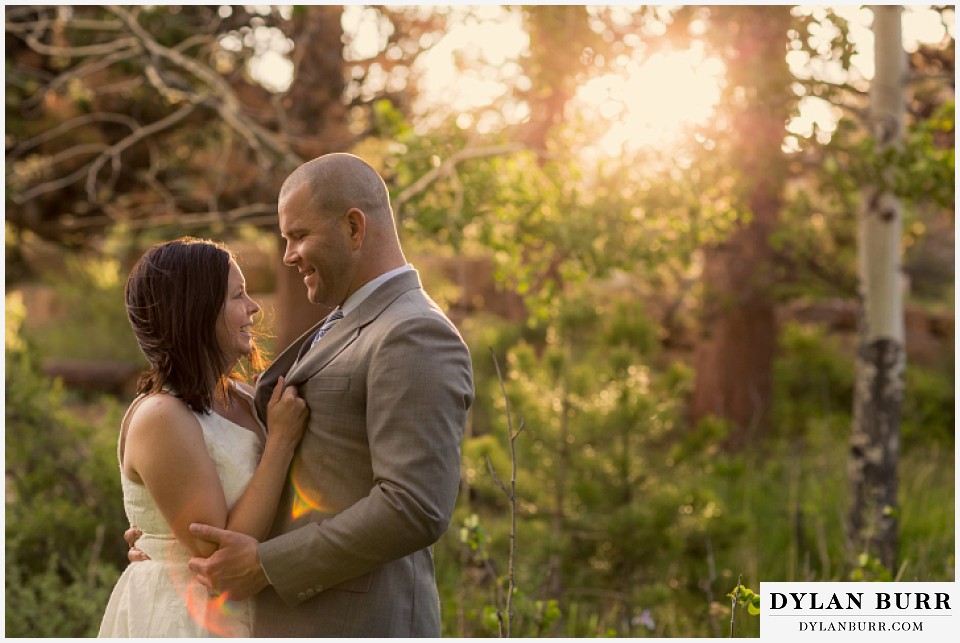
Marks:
<point>374,481</point>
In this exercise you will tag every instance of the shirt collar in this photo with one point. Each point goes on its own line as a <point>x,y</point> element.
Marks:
<point>367,289</point>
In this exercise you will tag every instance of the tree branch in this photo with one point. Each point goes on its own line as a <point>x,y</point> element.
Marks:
<point>229,108</point>
<point>49,186</point>
<point>446,167</point>
<point>73,123</point>
<point>77,52</point>
<point>74,23</point>
<point>138,135</point>
<point>78,72</point>
<point>255,213</point>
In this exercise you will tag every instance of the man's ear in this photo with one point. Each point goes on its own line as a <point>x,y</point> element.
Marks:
<point>357,224</point>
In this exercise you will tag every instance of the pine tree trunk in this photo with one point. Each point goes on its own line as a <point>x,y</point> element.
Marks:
<point>878,391</point>
<point>737,343</point>
<point>558,36</point>
<point>317,118</point>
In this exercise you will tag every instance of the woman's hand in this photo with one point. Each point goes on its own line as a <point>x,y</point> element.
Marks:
<point>254,512</point>
<point>131,535</point>
<point>287,415</point>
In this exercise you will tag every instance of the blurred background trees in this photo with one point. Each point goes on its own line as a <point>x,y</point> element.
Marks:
<point>649,214</point>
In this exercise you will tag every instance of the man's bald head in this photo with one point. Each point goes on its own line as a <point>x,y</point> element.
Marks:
<point>341,181</point>
<point>335,215</point>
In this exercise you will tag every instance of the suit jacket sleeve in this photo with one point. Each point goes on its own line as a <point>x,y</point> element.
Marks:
<point>419,389</point>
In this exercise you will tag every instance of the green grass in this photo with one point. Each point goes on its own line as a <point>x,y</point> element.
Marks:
<point>791,498</point>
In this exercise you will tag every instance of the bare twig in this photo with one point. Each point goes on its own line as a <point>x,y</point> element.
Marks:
<point>205,40</point>
<point>115,150</point>
<point>447,166</point>
<point>76,52</point>
<point>46,23</point>
<point>511,494</point>
<point>78,72</point>
<point>122,87</point>
<point>735,602</point>
<point>228,106</point>
<point>708,586</point>
<point>76,150</point>
<point>49,186</point>
<point>95,550</point>
<point>73,123</point>
<point>254,214</point>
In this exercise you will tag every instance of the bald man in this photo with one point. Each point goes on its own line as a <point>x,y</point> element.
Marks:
<point>388,382</point>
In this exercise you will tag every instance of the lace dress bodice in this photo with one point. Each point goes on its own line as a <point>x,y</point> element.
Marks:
<point>159,598</point>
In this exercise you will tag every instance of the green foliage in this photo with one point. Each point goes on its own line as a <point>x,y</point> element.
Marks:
<point>920,170</point>
<point>92,324</point>
<point>551,223</point>
<point>746,597</point>
<point>928,413</point>
<point>474,537</point>
<point>64,600</point>
<point>64,515</point>
<point>817,239</point>
<point>657,520</point>
<point>927,524</point>
<point>925,168</point>
<point>870,568</point>
<point>600,421</point>
<point>816,242</point>
<point>531,617</point>
<point>631,522</point>
<point>813,380</point>
<point>742,599</point>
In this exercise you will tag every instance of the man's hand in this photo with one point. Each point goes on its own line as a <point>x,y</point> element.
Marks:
<point>234,569</point>
<point>134,555</point>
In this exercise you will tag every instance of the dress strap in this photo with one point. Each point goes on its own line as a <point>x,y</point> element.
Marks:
<point>125,423</point>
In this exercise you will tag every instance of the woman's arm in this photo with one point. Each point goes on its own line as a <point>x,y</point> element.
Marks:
<point>286,420</point>
<point>166,451</point>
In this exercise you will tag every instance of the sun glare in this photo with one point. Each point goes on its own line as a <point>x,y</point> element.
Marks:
<point>473,66</point>
<point>468,73</point>
<point>650,102</point>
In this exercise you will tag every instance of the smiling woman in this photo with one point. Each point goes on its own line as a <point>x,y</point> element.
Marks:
<point>191,447</point>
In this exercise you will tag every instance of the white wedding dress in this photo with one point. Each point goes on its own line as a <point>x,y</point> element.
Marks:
<point>158,597</point>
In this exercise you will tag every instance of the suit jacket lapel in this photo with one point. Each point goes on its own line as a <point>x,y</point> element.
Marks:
<point>336,339</point>
<point>349,328</point>
<point>333,343</point>
<point>280,366</point>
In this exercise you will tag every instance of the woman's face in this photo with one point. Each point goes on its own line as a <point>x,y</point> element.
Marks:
<point>236,317</point>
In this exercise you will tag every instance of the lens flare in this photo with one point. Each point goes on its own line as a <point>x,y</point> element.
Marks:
<point>217,615</point>
<point>305,501</point>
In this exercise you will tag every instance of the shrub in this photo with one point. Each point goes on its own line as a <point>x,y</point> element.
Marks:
<point>927,415</point>
<point>94,325</point>
<point>64,515</point>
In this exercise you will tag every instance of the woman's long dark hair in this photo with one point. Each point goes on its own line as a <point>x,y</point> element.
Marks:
<point>174,296</point>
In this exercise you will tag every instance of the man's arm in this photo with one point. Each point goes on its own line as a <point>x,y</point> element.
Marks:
<point>420,388</point>
<point>234,569</point>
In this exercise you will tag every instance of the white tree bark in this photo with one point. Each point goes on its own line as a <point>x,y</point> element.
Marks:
<point>878,391</point>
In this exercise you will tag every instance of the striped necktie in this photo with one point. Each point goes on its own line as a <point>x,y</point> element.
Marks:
<point>328,323</point>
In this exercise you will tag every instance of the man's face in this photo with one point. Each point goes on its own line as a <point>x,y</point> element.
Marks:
<point>318,245</point>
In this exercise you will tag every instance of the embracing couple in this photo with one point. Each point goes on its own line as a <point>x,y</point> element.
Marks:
<point>306,506</point>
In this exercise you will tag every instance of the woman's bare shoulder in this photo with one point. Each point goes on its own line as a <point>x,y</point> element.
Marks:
<point>160,428</point>
<point>162,411</point>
